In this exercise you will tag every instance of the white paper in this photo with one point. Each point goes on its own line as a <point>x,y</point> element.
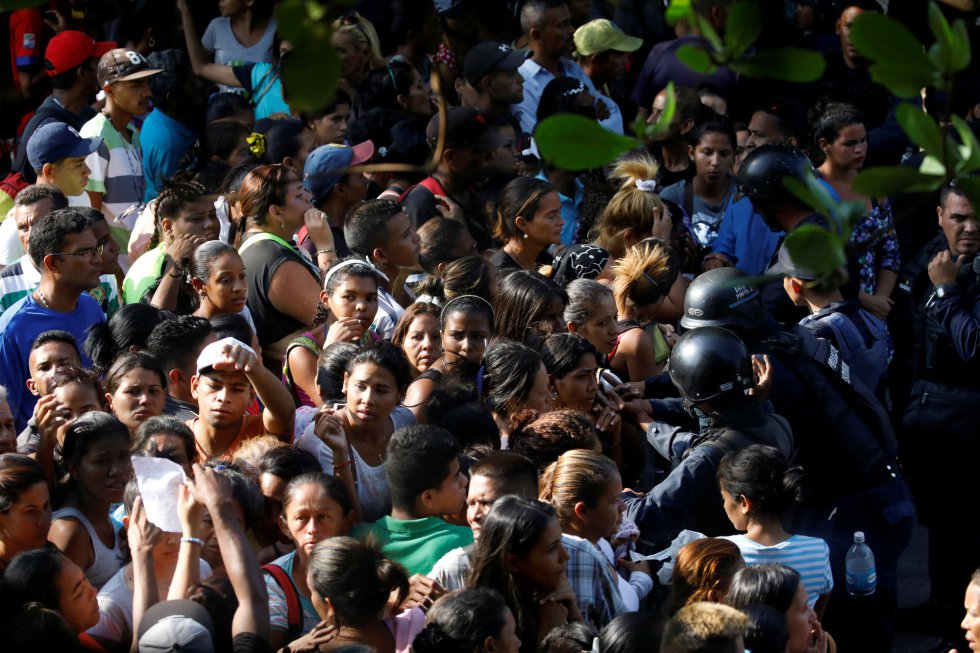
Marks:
<point>668,555</point>
<point>159,481</point>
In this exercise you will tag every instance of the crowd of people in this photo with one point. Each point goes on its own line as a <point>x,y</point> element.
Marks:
<point>466,400</point>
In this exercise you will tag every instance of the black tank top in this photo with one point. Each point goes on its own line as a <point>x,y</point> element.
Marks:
<point>262,258</point>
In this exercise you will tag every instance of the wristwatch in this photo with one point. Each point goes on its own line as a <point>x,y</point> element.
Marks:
<point>945,289</point>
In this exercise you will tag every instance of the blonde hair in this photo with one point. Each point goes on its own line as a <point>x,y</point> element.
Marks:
<point>644,274</point>
<point>253,448</point>
<point>577,475</point>
<point>631,209</point>
<point>700,626</point>
<point>363,35</point>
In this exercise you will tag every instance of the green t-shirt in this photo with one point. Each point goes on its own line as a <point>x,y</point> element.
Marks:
<point>416,544</point>
<point>144,273</point>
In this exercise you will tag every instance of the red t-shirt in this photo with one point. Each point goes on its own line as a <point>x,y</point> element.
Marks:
<point>26,42</point>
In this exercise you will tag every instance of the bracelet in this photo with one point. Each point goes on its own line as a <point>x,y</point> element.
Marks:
<point>350,462</point>
<point>330,250</point>
<point>178,270</point>
<point>193,540</point>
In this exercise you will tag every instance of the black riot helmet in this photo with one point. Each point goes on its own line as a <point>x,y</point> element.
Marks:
<point>723,297</point>
<point>761,174</point>
<point>710,364</point>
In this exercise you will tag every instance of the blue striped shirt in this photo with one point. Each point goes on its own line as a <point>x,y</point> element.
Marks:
<point>810,556</point>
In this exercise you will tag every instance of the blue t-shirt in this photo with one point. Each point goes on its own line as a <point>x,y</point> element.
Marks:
<point>19,326</point>
<point>165,141</point>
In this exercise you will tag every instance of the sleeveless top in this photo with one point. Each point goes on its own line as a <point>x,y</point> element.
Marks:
<point>262,257</point>
<point>107,561</point>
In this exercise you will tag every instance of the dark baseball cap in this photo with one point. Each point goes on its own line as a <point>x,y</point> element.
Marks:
<point>122,65</point>
<point>326,165</point>
<point>786,265</point>
<point>489,57</point>
<point>465,127</point>
<point>55,141</point>
<point>71,49</point>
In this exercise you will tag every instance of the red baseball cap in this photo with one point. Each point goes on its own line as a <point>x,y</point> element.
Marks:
<point>72,48</point>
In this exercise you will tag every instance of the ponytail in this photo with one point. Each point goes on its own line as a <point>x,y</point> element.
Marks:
<point>577,476</point>
<point>762,475</point>
<point>356,578</point>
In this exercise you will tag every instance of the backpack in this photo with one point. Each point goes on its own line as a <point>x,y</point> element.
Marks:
<point>294,609</point>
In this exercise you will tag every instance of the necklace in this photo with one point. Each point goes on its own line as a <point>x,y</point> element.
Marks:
<point>134,158</point>
<point>371,449</point>
<point>40,296</point>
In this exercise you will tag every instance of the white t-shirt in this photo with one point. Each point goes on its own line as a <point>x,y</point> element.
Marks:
<point>116,608</point>
<point>10,247</point>
<point>372,485</point>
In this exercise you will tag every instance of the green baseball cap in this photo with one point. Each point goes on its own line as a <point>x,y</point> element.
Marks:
<point>600,35</point>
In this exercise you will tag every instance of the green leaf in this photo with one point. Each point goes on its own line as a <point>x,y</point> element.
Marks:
<point>971,155</point>
<point>899,62</point>
<point>311,70</point>
<point>894,180</point>
<point>880,38</point>
<point>575,143</point>
<point>742,26</point>
<point>920,128</point>
<point>961,45</point>
<point>816,249</point>
<point>662,125</point>
<point>678,10</point>
<point>944,53</point>
<point>709,33</point>
<point>696,58</point>
<point>783,64</point>
<point>903,82</point>
<point>932,166</point>
<point>971,188</point>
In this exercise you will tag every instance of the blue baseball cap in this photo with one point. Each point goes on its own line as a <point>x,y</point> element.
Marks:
<point>56,141</point>
<point>326,166</point>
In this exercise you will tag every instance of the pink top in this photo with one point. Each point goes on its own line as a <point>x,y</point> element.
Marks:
<point>405,627</point>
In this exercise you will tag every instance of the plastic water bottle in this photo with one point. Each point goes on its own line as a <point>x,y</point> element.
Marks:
<point>859,564</point>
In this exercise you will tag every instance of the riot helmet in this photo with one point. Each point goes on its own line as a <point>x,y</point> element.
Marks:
<point>723,297</point>
<point>710,364</point>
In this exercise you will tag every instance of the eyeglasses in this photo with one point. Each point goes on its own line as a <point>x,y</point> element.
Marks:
<point>88,251</point>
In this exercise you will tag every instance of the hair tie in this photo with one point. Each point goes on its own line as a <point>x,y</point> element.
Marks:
<point>256,144</point>
<point>648,185</point>
<point>346,264</point>
<point>446,307</point>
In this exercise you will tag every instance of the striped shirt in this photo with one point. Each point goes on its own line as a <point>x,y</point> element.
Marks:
<point>810,556</point>
<point>22,277</point>
<point>117,173</point>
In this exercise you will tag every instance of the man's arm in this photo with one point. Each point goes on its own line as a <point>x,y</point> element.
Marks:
<point>244,572</point>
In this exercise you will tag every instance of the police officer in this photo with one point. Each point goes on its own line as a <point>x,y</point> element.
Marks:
<point>760,178</point>
<point>713,371</point>
<point>861,338</point>
<point>843,436</point>
<point>938,330</point>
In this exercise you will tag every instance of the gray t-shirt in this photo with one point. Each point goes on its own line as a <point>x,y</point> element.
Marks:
<point>219,39</point>
<point>706,218</point>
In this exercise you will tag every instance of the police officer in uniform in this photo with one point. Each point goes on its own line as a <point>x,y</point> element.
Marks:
<point>712,370</point>
<point>844,439</point>
<point>760,178</point>
<point>937,328</point>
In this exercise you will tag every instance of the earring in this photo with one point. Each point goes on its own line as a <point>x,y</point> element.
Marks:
<point>525,235</point>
